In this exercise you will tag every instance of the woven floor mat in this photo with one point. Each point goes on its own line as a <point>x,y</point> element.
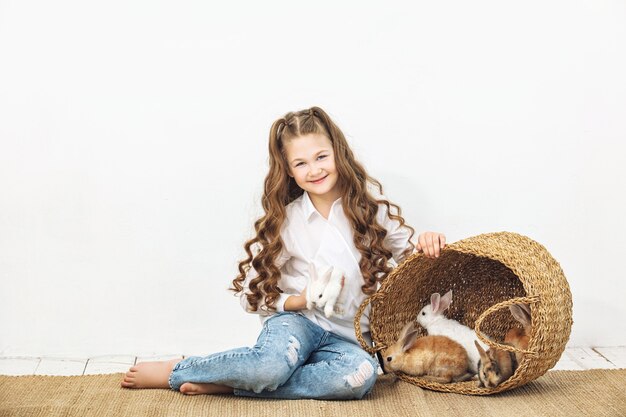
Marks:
<point>557,393</point>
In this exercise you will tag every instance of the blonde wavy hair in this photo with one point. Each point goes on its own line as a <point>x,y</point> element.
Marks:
<point>359,206</point>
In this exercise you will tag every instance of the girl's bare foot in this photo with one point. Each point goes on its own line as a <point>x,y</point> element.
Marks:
<point>149,374</point>
<point>191,388</point>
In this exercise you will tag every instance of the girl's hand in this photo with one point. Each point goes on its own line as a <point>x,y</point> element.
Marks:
<point>296,302</point>
<point>431,243</point>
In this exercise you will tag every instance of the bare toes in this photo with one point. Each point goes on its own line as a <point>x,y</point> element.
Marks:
<point>189,389</point>
<point>128,384</point>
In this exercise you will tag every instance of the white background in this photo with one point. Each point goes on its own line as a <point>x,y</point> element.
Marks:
<point>133,147</point>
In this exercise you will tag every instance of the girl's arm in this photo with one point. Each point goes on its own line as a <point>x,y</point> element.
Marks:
<point>262,308</point>
<point>397,239</point>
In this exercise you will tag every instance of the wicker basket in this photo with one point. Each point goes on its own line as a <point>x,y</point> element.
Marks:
<point>487,273</point>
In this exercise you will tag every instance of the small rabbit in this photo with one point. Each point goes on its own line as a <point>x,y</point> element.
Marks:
<point>324,289</point>
<point>496,365</point>
<point>432,319</point>
<point>517,337</point>
<point>436,358</point>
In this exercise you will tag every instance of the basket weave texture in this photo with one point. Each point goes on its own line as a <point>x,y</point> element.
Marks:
<point>486,273</point>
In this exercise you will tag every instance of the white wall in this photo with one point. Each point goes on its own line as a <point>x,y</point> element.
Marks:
<point>133,149</point>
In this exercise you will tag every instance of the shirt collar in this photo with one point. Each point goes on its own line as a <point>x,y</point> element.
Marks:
<point>309,208</point>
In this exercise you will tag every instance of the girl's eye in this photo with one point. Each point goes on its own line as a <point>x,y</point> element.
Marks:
<point>322,156</point>
<point>299,163</point>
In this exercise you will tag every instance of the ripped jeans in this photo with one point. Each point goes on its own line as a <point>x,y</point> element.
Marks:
<point>293,358</point>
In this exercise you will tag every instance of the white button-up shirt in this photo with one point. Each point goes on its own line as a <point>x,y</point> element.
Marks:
<point>308,237</point>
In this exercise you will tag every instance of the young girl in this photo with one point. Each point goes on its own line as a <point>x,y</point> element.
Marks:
<point>321,207</point>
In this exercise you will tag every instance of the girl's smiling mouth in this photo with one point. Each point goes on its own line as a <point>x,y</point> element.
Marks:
<point>319,181</point>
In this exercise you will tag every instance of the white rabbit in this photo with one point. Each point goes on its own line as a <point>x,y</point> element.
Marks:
<point>324,289</point>
<point>432,319</point>
<point>316,284</point>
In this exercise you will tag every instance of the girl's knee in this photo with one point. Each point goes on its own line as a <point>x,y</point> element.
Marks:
<point>354,378</point>
<point>281,349</point>
<point>269,378</point>
<point>273,369</point>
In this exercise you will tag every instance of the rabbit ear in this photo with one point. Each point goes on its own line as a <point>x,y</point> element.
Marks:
<point>312,271</point>
<point>405,330</point>
<point>337,274</point>
<point>445,302</point>
<point>410,340</point>
<point>521,313</point>
<point>434,301</point>
<point>408,336</point>
<point>327,274</point>
<point>526,308</point>
<point>481,352</point>
<point>328,271</point>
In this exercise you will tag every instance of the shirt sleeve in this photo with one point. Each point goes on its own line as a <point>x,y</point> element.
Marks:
<point>262,308</point>
<point>397,239</point>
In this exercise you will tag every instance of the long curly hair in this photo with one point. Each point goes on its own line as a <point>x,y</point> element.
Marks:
<point>359,205</point>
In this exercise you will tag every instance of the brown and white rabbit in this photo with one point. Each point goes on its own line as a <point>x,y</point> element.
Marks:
<point>436,358</point>
<point>496,365</point>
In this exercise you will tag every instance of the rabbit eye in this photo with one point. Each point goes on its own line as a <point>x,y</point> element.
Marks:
<point>388,358</point>
<point>320,296</point>
<point>423,313</point>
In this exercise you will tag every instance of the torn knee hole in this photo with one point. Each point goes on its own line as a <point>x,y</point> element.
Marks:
<point>362,374</point>
<point>292,350</point>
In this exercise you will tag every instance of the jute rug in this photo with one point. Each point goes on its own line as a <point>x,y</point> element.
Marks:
<point>557,393</point>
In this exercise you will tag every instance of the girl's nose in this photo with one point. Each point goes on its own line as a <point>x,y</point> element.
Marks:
<point>315,170</point>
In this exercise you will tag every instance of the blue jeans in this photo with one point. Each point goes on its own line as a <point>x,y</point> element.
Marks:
<point>293,358</point>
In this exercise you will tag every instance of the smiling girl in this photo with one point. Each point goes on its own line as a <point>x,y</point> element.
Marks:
<point>321,207</point>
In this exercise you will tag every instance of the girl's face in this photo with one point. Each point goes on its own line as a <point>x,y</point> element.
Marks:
<point>312,164</point>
